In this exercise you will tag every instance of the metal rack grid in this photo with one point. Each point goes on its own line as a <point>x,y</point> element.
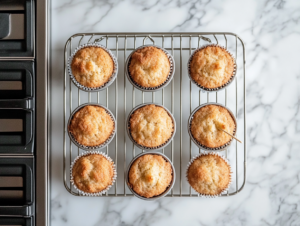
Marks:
<point>121,97</point>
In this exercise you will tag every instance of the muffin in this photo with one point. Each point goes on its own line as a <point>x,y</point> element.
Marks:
<point>207,122</point>
<point>150,175</point>
<point>92,66</point>
<point>212,67</point>
<point>93,173</point>
<point>151,126</point>
<point>149,67</point>
<point>209,174</point>
<point>91,126</point>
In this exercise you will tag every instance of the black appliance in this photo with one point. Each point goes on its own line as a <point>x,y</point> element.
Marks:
<point>17,112</point>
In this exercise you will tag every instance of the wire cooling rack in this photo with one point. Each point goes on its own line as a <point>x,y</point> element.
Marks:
<point>181,96</point>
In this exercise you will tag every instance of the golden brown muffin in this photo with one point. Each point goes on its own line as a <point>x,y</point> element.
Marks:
<point>150,175</point>
<point>149,67</point>
<point>151,126</point>
<point>93,173</point>
<point>211,67</point>
<point>91,125</point>
<point>209,174</point>
<point>206,124</point>
<point>92,66</point>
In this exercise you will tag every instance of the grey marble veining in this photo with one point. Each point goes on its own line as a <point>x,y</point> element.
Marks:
<point>271,32</point>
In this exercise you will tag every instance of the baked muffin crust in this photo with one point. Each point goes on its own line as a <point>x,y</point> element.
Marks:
<point>91,125</point>
<point>151,126</point>
<point>209,174</point>
<point>92,66</point>
<point>149,67</point>
<point>150,175</point>
<point>211,67</point>
<point>93,173</point>
<point>206,123</point>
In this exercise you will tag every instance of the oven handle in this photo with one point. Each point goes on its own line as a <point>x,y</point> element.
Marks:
<point>21,211</point>
<point>25,104</point>
<point>28,186</point>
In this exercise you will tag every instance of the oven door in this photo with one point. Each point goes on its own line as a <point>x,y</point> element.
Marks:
<point>16,28</point>
<point>16,186</point>
<point>17,118</point>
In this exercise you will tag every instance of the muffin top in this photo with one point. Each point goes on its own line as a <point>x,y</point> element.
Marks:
<point>149,67</point>
<point>92,66</point>
<point>206,125</point>
<point>211,67</point>
<point>91,125</point>
<point>151,126</point>
<point>209,174</point>
<point>150,175</point>
<point>93,173</point>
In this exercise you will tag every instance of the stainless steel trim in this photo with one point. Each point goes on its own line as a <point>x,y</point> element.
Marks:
<point>17,25</point>
<point>17,156</point>
<point>181,47</point>
<point>12,5</point>
<point>11,181</point>
<point>11,85</point>
<point>11,125</point>
<point>17,58</point>
<point>42,112</point>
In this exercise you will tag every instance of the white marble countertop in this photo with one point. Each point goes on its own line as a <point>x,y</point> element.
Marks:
<point>271,32</point>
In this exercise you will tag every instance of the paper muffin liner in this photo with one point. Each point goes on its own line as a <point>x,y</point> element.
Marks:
<point>168,189</point>
<point>95,193</point>
<point>230,175</point>
<point>150,148</point>
<point>102,145</point>
<point>222,86</point>
<point>156,88</point>
<point>199,145</point>
<point>106,84</point>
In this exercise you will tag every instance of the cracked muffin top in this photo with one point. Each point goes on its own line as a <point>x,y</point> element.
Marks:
<point>91,125</point>
<point>209,174</point>
<point>151,126</point>
<point>206,124</point>
<point>150,175</point>
<point>211,67</point>
<point>93,173</point>
<point>149,66</point>
<point>92,66</point>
